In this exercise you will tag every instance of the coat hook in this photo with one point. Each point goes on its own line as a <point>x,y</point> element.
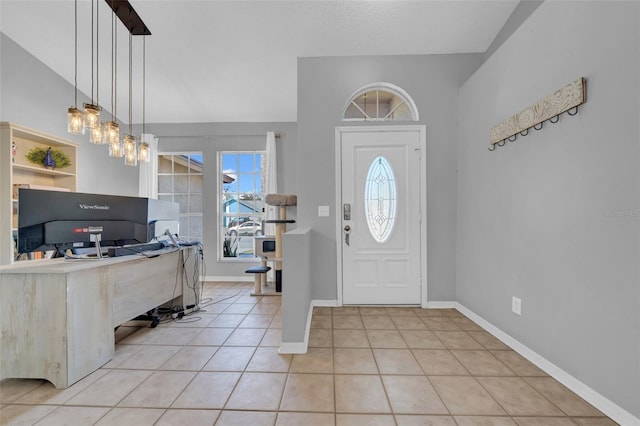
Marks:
<point>525,132</point>
<point>502,142</point>
<point>492,146</point>
<point>557,117</point>
<point>539,124</point>
<point>513,138</point>
<point>574,109</point>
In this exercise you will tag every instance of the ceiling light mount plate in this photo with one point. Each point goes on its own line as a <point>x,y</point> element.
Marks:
<point>129,17</point>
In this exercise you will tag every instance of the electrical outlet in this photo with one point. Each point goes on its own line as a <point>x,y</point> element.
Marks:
<point>516,305</point>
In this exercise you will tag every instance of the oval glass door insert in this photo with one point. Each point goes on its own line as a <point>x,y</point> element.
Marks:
<point>380,199</point>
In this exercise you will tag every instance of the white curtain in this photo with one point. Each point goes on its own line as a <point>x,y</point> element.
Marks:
<point>148,180</point>
<point>271,182</point>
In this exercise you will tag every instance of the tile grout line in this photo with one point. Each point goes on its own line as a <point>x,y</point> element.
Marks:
<point>238,299</point>
<point>384,388</point>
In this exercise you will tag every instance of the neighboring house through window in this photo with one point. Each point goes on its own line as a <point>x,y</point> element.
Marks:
<point>241,202</point>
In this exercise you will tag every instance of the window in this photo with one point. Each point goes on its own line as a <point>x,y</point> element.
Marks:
<point>180,181</point>
<point>241,207</point>
<point>380,102</point>
<point>380,199</point>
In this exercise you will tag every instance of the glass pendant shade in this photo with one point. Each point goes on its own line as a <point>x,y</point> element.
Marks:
<point>96,135</point>
<point>144,154</point>
<point>92,116</point>
<point>111,132</point>
<point>130,151</point>
<point>75,121</point>
<point>115,149</point>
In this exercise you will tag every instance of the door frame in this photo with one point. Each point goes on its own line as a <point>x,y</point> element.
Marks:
<point>422,131</point>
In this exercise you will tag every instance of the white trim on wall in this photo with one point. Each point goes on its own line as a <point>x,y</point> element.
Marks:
<point>338,192</point>
<point>243,278</point>
<point>441,305</point>
<point>608,407</point>
<point>293,347</point>
<point>301,347</point>
<point>325,303</point>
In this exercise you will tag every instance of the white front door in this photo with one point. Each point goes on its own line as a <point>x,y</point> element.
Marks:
<point>380,209</point>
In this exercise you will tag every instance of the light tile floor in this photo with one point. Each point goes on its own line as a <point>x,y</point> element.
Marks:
<point>365,366</point>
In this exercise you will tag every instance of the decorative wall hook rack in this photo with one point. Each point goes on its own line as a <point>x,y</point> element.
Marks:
<point>566,99</point>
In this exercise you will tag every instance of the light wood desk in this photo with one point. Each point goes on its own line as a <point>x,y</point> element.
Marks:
<point>58,317</point>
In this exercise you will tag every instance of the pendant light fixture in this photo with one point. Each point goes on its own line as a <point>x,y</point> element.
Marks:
<point>144,151</point>
<point>109,132</point>
<point>75,117</point>
<point>129,141</point>
<point>91,110</point>
<point>96,134</point>
<point>129,147</point>
<point>144,154</point>
<point>92,116</point>
<point>112,127</point>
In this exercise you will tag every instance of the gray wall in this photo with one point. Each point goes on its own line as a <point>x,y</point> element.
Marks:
<point>32,95</point>
<point>296,284</point>
<point>324,86</point>
<point>554,218</point>
<point>521,13</point>
<point>210,138</point>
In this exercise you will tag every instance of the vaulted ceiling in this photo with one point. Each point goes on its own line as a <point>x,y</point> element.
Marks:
<point>226,61</point>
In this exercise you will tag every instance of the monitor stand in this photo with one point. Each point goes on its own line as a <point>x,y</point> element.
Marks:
<point>97,238</point>
<point>171,237</point>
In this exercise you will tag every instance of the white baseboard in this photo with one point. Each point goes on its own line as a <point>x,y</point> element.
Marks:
<point>242,278</point>
<point>609,408</point>
<point>441,305</point>
<point>320,302</point>
<point>299,347</point>
<point>293,348</point>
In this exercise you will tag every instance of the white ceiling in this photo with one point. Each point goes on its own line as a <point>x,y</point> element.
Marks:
<point>226,61</point>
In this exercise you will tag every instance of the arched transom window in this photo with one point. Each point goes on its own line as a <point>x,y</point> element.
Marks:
<point>380,102</point>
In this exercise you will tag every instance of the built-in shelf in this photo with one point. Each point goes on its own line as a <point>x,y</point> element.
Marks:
<point>42,170</point>
<point>17,172</point>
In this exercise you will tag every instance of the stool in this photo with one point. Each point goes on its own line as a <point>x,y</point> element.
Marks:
<point>259,272</point>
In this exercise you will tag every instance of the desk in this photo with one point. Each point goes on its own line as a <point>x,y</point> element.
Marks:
<point>58,317</point>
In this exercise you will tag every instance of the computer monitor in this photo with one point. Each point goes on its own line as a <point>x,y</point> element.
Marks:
<point>51,219</point>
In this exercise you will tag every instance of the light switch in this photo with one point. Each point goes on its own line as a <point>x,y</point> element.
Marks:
<point>323,211</point>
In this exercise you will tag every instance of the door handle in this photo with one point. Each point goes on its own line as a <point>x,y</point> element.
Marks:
<point>347,231</point>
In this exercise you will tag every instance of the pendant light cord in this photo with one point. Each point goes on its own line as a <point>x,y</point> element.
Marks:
<point>130,83</point>
<point>97,54</point>
<point>112,111</point>
<point>114,67</point>
<point>75,100</point>
<point>92,56</point>
<point>144,82</point>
